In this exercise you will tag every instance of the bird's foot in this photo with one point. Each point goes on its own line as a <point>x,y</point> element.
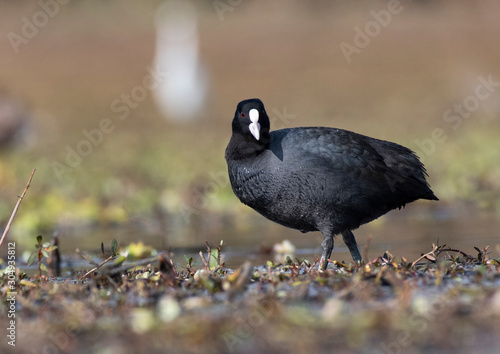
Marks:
<point>323,264</point>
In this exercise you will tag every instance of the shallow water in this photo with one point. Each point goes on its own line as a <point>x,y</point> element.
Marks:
<point>405,233</point>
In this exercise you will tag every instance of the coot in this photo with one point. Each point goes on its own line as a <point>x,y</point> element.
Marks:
<point>319,179</point>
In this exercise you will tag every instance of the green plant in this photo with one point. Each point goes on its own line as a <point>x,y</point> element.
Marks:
<point>114,254</point>
<point>42,250</point>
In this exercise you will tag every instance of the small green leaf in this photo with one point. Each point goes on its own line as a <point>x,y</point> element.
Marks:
<point>39,239</point>
<point>45,253</point>
<point>51,248</point>
<point>114,246</point>
<point>119,260</point>
<point>43,267</point>
<point>188,260</point>
<point>212,263</point>
<point>27,283</point>
<point>32,258</point>
<point>46,244</point>
<point>102,247</point>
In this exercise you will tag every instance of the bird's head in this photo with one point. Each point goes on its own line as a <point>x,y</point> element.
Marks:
<point>251,120</point>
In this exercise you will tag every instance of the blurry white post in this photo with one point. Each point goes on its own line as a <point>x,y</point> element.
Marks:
<point>182,95</point>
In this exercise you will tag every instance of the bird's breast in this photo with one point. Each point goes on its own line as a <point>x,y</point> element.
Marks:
<point>251,187</point>
<point>269,193</point>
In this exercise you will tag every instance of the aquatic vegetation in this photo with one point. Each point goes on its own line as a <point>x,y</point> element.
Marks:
<point>446,299</point>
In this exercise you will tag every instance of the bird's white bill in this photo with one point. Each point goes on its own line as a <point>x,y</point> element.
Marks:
<point>254,115</point>
<point>255,130</point>
<point>254,126</point>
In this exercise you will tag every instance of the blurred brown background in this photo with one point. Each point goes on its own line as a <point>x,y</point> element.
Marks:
<point>425,74</point>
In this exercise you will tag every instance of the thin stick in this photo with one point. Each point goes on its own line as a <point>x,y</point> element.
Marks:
<point>455,250</point>
<point>204,261</point>
<point>431,254</point>
<point>209,254</point>
<point>219,249</point>
<point>87,258</point>
<point>7,228</point>
<point>312,265</point>
<point>110,258</point>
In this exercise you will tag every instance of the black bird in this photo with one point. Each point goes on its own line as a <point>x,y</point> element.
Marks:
<point>319,179</point>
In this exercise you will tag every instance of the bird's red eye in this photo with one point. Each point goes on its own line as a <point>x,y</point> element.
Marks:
<point>243,115</point>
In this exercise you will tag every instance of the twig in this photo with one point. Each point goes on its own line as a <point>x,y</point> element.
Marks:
<point>312,265</point>
<point>7,228</point>
<point>204,261</point>
<point>373,261</point>
<point>87,258</point>
<point>429,255</point>
<point>336,263</point>
<point>439,251</point>
<point>110,258</point>
<point>209,254</point>
<point>219,249</point>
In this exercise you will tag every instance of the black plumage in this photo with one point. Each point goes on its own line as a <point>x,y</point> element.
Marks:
<point>319,179</point>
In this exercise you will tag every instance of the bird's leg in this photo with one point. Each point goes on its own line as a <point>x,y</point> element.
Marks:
<point>350,242</point>
<point>327,246</point>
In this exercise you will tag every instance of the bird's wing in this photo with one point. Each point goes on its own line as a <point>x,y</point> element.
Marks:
<point>342,151</point>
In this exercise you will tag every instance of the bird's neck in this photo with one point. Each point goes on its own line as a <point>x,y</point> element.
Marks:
<point>241,146</point>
